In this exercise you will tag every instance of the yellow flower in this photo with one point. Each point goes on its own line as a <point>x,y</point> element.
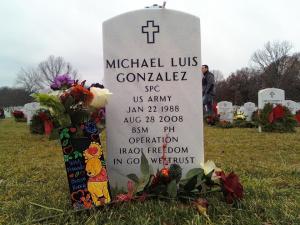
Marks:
<point>208,167</point>
<point>100,97</point>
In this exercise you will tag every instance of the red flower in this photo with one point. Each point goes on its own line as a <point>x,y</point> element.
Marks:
<point>18,114</point>
<point>215,109</point>
<point>80,93</point>
<point>277,113</point>
<point>201,205</point>
<point>126,197</point>
<point>48,127</point>
<point>165,172</point>
<point>231,187</point>
<point>297,116</point>
<point>43,116</point>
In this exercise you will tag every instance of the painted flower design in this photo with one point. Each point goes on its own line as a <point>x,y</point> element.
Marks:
<point>91,128</point>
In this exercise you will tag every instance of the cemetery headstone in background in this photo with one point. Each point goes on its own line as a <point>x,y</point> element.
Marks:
<point>29,109</point>
<point>7,113</point>
<point>248,109</point>
<point>291,105</point>
<point>152,60</point>
<point>270,95</point>
<point>225,110</point>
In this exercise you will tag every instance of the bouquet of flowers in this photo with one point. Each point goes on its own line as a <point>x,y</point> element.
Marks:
<point>239,120</point>
<point>73,104</point>
<point>225,124</point>
<point>276,118</point>
<point>42,122</point>
<point>168,184</point>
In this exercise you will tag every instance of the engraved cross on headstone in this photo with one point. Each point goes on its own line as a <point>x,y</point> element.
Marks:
<point>272,94</point>
<point>150,29</point>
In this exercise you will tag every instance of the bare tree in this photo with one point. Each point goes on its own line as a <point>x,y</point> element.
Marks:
<point>218,75</point>
<point>29,79</point>
<point>35,79</point>
<point>271,53</point>
<point>54,66</point>
<point>272,60</point>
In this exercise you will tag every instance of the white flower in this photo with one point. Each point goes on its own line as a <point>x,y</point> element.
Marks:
<point>208,167</point>
<point>215,177</point>
<point>100,97</point>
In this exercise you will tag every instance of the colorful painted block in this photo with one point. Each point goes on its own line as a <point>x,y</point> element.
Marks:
<point>86,168</point>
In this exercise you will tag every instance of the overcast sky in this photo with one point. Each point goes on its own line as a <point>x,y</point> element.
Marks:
<point>31,30</point>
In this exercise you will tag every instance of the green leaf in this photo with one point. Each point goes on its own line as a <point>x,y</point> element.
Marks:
<point>172,189</point>
<point>66,158</point>
<point>64,120</point>
<point>194,172</point>
<point>145,169</point>
<point>142,184</point>
<point>191,184</point>
<point>65,142</point>
<point>200,180</point>
<point>133,177</point>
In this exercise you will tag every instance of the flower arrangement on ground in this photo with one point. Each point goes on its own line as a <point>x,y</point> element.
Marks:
<point>42,122</point>
<point>224,124</point>
<point>214,118</point>
<point>276,118</point>
<point>19,116</point>
<point>240,120</point>
<point>168,184</point>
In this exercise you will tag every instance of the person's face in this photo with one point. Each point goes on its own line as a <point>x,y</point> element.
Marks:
<point>204,70</point>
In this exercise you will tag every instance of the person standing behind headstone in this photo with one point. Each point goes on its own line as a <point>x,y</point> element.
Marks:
<point>208,90</point>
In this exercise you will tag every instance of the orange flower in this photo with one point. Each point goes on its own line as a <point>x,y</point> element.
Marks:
<point>80,93</point>
<point>165,172</point>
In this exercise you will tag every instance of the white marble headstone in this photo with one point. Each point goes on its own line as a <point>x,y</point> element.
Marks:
<point>152,67</point>
<point>7,113</point>
<point>248,109</point>
<point>291,105</point>
<point>29,109</point>
<point>225,110</point>
<point>270,95</point>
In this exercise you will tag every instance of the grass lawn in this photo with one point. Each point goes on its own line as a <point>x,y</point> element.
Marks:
<point>32,171</point>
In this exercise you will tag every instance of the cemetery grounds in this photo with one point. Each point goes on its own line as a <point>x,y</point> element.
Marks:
<point>34,188</point>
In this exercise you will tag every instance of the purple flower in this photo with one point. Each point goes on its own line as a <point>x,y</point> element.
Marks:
<point>62,82</point>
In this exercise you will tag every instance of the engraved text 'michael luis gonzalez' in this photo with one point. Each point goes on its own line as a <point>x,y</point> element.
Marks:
<point>127,63</point>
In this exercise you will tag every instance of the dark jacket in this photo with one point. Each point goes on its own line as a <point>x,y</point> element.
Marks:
<point>208,84</point>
